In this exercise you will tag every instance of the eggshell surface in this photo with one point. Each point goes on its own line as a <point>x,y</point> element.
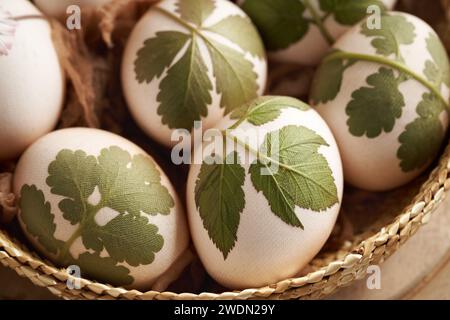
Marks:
<point>93,199</point>
<point>387,110</point>
<point>290,29</point>
<point>180,67</point>
<point>264,247</point>
<point>32,83</point>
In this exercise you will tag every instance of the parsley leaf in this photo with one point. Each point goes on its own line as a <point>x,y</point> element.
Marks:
<point>422,139</point>
<point>375,109</point>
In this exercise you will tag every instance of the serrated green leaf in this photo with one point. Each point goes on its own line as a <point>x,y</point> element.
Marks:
<point>128,185</point>
<point>220,199</point>
<point>375,109</point>
<point>157,54</point>
<point>437,70</point>
<point>132,184</point>
<point>265,109</point>
<point>238,29</point>
<point>73,175</point>
<point>296,174</point>
<point>324,90</point>
<point>195,11</point>
<point>126,238</point>
<point>103,269</point>
<point>422,139</point>
<point>396,30</point>
<point>236,80</point>
<point>281,23</point>
<point>185,92</point>
<point>36,214</point>
<point>349,12</point>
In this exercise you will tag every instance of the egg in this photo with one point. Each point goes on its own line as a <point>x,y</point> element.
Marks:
<point>302,31</point>
<point>59,8</point>
<point>259,212</point>
<point>95,200</point>
<point>385,93</point>
<point>188,61</point>
<point>32,83</point>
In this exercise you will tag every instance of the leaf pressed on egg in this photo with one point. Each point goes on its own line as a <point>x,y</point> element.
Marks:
<point>74,176</point>
<point>235,78</point>
<point>266,109</point>
<point>103,269</point>
<point>235,28</point>
<point>185,92</point>
<point>395,30</point>
<point>301,176</point>
<point>220,199</point>
<point>375,109</point>
<point>195,11</point>
<point>291,172</point>
<point>37,216</point>
<point>437,70</point>
<point>157,54</point>
<point>324,90</point>
<point>281,23</point>
<point>126,238</point>
<point>349,12</point>
<point>128,186</point>
<point>422,138</point>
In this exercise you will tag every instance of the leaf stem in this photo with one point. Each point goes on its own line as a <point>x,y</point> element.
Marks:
<point>62,255</point>
<point>319,22</point>
<point>387,62</point>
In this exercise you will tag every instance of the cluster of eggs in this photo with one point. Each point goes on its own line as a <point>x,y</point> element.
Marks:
<point>259,212</point>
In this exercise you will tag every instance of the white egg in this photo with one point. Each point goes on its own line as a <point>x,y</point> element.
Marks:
<point>189,60</point>
<point>302,31</point>
<point>254,224</point>
<point>384,93</point>
<point>32,83</point>
<point>96,200</point>
<point>59,8</point>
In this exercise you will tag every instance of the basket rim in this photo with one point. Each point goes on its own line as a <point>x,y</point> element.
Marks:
<point>316,284</point>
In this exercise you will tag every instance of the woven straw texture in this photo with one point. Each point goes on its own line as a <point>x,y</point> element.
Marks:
<point>332,269</point>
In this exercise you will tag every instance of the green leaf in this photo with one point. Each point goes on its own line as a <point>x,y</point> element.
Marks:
<point>349,12</point>
<point>324,90</point>
<point>265,109</point>
<point>157,54</point>
<point>396,30</point>
<point>437,70</point>
<point>185,92</point>
<point>375,109</point>
<point>132,184</point>
<point>220,198</point>
<point>128,185</point>
<point>295,173</point>
<point>103,269</point>
<point>238,29</point>
<point>281,23</point>
<point>73,175</point>
<point>36,214</point>
<point>195,11</point>
<point>422,139</point>
<point>125,238</point>
<point>236,80</point>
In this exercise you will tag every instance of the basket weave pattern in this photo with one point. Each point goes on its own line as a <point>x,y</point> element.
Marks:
<point>332,274</point>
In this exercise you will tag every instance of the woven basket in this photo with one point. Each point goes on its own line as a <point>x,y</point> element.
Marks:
<point>386,221</point>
